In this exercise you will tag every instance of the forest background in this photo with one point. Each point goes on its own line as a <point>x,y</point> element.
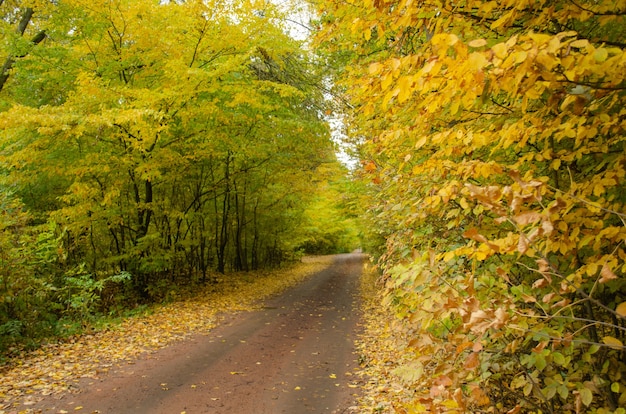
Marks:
<point>150,147</point>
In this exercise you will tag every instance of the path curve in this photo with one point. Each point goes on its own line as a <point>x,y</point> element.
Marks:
<point>296,355</point>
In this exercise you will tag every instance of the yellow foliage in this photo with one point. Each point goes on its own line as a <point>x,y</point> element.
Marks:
<point>501,151</point>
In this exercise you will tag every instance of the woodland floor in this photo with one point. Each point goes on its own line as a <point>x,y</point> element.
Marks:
<point>293,354</point>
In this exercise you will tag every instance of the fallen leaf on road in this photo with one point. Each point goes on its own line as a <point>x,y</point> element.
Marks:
<point>54,368</point>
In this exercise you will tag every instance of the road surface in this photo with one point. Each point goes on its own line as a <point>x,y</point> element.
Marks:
<point>294,356</point>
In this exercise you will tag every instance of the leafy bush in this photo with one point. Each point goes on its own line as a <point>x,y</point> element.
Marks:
<point>492,142</point>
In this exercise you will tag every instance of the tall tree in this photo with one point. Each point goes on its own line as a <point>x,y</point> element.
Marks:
<point>162,139</point>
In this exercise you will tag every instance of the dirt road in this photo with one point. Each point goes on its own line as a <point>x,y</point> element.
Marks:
<point>293,356</point>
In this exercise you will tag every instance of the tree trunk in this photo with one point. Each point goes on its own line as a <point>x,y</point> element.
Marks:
<point>222,239</point>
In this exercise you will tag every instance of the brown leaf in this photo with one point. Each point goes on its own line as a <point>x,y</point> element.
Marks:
<point>527,217</point>
<point>472,361</point>
<point>522,245</point>
<point>606,274</point>
<point>474,235</point>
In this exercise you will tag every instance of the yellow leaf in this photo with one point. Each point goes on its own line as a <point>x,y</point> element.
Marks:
<point>450,404</point>
<point>420,143</point>
<point>477,43</point>
<point>621,309</point>
<point>446,39</point>
<point>375,68</point>
<point>448,256</point>
<point>500,21</point>
<point>386,81</point>
<point>297,388</point>
<point>613,342</point>
<point>405,89</point>
<point>600,55</point>
<point>580,43</point>
<point>332,376</point>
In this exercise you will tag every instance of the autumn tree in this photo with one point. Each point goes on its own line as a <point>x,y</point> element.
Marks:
<point>493,145</point>
<point>158,141</point>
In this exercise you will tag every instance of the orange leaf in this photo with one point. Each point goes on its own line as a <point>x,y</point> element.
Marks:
<point>472,361</point>
<point>621,309</point>
<point>370,166</point>
<point>462,347</point>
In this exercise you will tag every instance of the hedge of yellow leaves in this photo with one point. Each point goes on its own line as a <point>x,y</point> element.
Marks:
<point>492,136</point>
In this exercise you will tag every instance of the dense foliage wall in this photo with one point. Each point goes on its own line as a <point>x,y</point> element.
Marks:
<point>492,137</point>
<point>149,143</point>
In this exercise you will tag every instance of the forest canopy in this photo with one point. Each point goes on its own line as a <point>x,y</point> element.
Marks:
<point>146,144</point>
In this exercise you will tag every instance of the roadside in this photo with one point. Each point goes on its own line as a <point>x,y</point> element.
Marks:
<point>295,352</point>
<point>380,356</point>
<point>56,368</point>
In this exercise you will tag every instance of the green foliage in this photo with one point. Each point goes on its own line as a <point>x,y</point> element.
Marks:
<point>152,144</point>
<point>331,223</point>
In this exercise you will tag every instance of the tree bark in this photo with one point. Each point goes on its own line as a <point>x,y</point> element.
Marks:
<point>222,240</point>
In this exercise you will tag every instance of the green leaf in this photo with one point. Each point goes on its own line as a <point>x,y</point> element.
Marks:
<point>559,359</point>
<point>586,396</point>
<point>563,391</point>
<point>528,388</point>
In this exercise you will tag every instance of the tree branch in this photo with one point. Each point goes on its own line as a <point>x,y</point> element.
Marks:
<point>21,28</point>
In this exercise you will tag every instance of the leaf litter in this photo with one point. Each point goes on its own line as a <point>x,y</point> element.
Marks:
<point>56,367</point>
<point>380,355</point>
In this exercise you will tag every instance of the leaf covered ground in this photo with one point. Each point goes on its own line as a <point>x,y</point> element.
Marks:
<point>381,356</point>
<point>55,368</point>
